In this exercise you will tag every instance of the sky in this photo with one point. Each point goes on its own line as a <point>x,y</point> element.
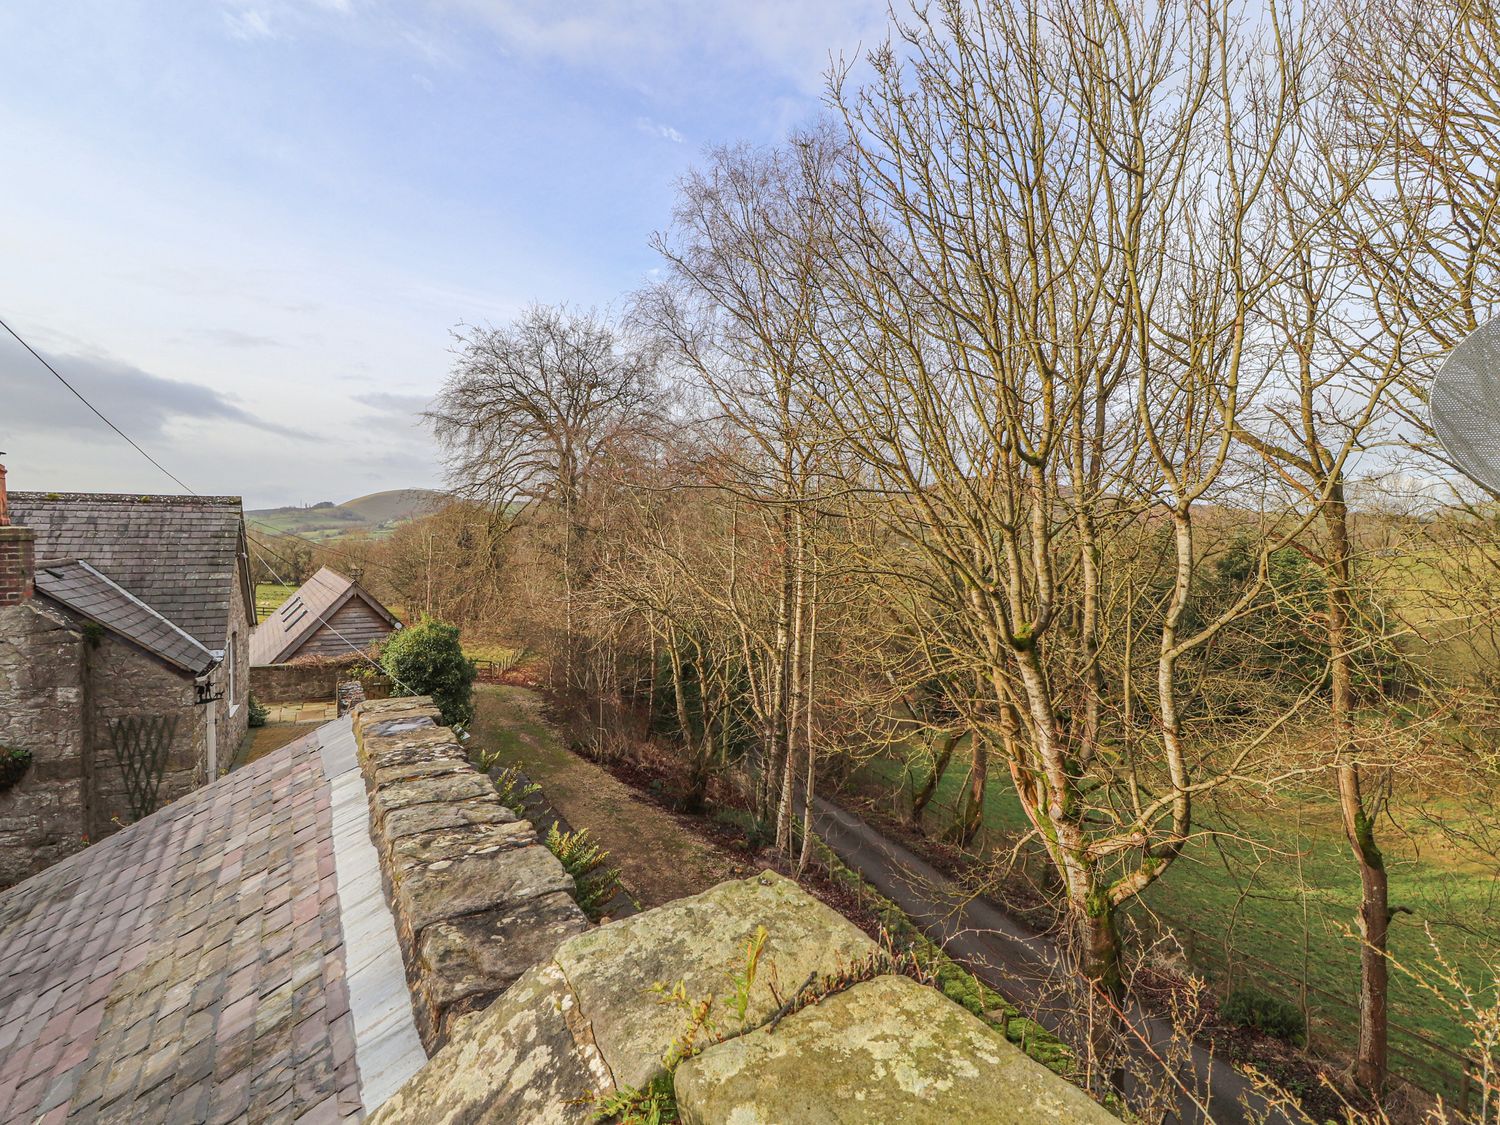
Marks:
<point>246,229</point>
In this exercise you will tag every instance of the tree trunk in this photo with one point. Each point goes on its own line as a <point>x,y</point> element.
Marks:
<point>810,791</point>
<point>1372,1060</point>
<point>971,808</point>
<point>1099,955</point>
<point>1374,925</point>
<point>920,800</point>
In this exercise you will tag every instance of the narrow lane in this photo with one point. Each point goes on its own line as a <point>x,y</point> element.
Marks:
<point>1013,959</point>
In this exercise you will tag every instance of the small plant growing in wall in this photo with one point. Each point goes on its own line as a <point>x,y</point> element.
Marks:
<point>654,1104</point>
<point>584,860</point>
<point>14,762</point>
<point>510,783</point>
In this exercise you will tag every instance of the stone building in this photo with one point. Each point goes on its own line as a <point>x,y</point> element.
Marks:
<point>124,634</point>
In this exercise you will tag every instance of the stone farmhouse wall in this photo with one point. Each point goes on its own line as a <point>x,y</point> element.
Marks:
<point>233,715</point>
<point>41,710</point>
<point>306,681</point>
<point>126,683</point>
<point>61,686</point>
<point>65,686</point>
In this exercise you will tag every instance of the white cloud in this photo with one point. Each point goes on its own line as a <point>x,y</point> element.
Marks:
<point>653,40</point>
<point>250,20</point>
<point>248,24</point>
<point>657,129</point>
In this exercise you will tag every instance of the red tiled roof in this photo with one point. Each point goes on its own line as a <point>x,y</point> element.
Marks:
<point>188,968</point>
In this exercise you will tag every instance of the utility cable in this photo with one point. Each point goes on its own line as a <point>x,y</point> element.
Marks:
<point>193,492</point>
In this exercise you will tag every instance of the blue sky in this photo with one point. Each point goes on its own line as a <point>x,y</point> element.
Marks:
<point>245,228</point>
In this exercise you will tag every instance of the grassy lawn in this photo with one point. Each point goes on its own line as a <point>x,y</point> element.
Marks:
<point>260,741</point>
<point>505,655</point>
<point>268,598</point>
<point>1248,891</point>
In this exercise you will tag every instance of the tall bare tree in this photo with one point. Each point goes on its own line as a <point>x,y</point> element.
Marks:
<point>530,418</point>
<point>1046,292</point>
<point>741,312</point>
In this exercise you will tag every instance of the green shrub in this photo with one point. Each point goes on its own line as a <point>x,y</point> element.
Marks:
<point>426,659</point>
<point>14,762</point>
<point>259,713</point>
<point>1248,1006</point>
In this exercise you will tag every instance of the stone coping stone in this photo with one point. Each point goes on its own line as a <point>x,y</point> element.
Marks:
<point>427,746</point>
<point>517,1063</point>
<point>408,771</point>
<point>447,888</point>
<point>431,818</point>
<point>589,1022</point>
<point>466,962</point>
<point>700,941</point>
<point>447,790</point>
<point>458,843</point>
<point>886,1051</point>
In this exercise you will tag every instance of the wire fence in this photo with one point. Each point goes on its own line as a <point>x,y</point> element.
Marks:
<point>1416,1054</point>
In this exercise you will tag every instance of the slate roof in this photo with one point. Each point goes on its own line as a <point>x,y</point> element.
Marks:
<point>85,591</point>
<point>194,966</point>
<point>277,637</point>
<point>181,555</point>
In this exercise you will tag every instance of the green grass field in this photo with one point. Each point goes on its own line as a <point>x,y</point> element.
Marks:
<point>1249,890</point>
<point>376,515</point>
<point>268,598</point>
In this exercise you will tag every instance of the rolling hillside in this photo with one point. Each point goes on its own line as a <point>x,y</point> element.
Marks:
<point>374,514</point>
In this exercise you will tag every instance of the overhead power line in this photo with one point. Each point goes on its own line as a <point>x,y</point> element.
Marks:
<point>193,492</point>
<point>97,412</point>
<point>173,477</point>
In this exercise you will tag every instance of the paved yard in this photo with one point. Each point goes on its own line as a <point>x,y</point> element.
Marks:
<point>315,712</point>
<point>659,858</point>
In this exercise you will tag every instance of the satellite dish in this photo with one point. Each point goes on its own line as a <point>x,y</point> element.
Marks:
<point>1465,405</point>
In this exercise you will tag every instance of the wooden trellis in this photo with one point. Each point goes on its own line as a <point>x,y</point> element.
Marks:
<point>141,744</point>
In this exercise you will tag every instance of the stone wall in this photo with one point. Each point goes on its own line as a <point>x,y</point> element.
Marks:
<point>477,899</point>
<point>232,718</point>
<point>302,681</point>
<point>587,1013</point>
<point>127,683</point>
<point>42,817</point>
<point>62,684</point>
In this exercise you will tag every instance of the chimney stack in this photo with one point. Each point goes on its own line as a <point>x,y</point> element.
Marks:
<point>17,555</point>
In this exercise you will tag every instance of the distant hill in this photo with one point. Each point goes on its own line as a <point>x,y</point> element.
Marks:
<point>375,514</point>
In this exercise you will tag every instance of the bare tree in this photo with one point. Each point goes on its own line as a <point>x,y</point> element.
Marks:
<point>741,312</point>
<point>1046,292</point>
<point>530,418</point>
